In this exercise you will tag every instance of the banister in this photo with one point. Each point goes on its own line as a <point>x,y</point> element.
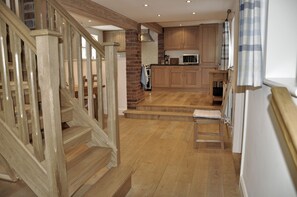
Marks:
<point>286,113</point>
<point>18,26</point>
<point>76,26</point>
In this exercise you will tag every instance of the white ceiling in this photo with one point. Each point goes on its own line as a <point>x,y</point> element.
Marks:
<point>173,12</point>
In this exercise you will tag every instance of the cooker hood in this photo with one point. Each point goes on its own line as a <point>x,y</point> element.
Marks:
<point>145,36</point>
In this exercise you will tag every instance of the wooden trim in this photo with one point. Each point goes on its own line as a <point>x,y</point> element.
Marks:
<point>112,98</point>
<point>31,171</point>
<point>10,176</point>
<point>286,112</point>
<point>155,27</point>
<point>61,10</point>
<point>97,12</point>
<point>48,62</point>
<point>17,26</point>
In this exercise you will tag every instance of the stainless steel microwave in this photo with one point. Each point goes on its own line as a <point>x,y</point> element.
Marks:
<point>190,58</point>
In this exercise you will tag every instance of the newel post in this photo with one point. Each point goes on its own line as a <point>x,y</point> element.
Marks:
<point>48,76</point>
<point>111,66</point>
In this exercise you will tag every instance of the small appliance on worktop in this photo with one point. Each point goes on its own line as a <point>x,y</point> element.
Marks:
<point>190,59</point>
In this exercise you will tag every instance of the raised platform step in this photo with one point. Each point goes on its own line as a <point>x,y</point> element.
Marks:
<point>159,115</point>
<point>115,183</point>
<point>169,108</point>
<point>81,167</point>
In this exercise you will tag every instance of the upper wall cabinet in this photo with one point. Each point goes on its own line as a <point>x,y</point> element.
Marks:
<point>209,44</point>
<point>181,38</point>
<point>116,36</point>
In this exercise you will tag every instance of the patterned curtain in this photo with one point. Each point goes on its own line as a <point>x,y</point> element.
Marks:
<point>250,49</point>
<point>225,46</point>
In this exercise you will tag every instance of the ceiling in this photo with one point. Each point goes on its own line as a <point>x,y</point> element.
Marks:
<point>171,12</point>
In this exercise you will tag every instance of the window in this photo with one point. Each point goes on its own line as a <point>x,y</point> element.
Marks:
<point>84,49</point>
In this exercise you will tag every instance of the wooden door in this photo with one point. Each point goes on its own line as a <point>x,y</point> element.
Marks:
<point>173,38</point>
<point>190,38</point>
<point>160,76</point>
<point>192,77</point>
<point>208,44</point>
<point>176,77</point>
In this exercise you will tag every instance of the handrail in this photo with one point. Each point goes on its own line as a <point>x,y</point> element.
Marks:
<point>286,112</point>
<point>19,27</point>
<point>77,26</point>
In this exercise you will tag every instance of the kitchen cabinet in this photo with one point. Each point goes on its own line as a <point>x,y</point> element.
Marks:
<point>176,77</point>
<point>205,75</point>
<point>160,76</point>
<point>209,44</point>
<point>183,78</point>
<point>181,38</point>
<point>192,77</point>
<point>116,36</point>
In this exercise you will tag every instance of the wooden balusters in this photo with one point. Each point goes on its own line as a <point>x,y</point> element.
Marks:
<point>80,80</point>
<point>69,57</point>
<point>33,96</point>
<point>100,109</point>
<point>90,81</point>
<point>21,116</point>
<point>4,70</point>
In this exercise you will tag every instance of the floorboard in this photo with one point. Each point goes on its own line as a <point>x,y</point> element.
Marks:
<point>165,164</point>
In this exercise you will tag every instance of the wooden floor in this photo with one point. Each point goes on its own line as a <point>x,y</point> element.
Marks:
<point>162,157</point>
<point>165,163</point>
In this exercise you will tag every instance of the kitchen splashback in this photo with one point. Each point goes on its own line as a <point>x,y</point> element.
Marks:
<point>179,53</point>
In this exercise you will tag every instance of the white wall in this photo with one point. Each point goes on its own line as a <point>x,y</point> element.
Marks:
<point>267,169</point>
<point>281,39</point>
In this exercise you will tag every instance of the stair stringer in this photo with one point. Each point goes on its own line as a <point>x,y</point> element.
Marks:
<point>8,173</point>
<point>19,157</point>
<point>81,118</point>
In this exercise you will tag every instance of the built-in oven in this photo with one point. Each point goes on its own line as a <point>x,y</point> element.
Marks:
<point>149,74</point>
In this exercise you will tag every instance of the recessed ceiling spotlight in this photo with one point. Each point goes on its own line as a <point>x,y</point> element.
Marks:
<point>188,1</point>
<point>159,15</point>
<point>180,24</point>
<point>145,5</point>
<point>90,21</point>
<point>194,13</point>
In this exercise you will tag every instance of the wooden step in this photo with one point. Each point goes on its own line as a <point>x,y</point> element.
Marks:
<point>66,115</point>
<point>115,183</point>
<point>169,108</point>
<point>82,167</point>
<point>159,115</point>
<point>75,136</point>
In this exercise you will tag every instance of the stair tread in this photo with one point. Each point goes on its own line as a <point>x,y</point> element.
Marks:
<point>76,135</point>
<point>112,182</point>
<point>85,165</point>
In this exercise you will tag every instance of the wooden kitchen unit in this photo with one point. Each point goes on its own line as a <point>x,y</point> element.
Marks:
<point>181,38</point>
<point>181,77</point>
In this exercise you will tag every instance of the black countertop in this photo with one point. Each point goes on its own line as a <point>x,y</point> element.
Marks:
<point>175,64</point>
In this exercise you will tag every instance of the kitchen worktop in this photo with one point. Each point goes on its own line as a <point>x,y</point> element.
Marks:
<point>175,64</point>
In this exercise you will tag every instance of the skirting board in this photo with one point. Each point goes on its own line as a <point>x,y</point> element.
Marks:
<point>242,188</point>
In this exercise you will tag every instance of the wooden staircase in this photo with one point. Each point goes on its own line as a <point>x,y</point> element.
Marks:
<point>48,136</point>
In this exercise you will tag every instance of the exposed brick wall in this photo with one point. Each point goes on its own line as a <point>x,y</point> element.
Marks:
<point>135,92</point>
<point>161,52</point>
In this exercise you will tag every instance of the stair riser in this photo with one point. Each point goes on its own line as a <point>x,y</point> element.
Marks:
<point>159,117</point>
<point>93,168</point>
<point>81,139</point>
